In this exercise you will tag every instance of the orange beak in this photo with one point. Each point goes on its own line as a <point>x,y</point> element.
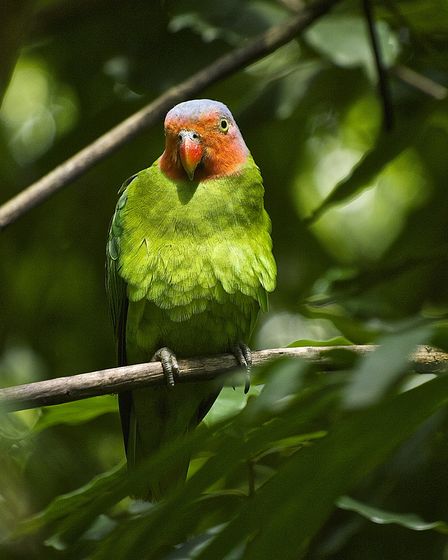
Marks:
<point>190,151</point>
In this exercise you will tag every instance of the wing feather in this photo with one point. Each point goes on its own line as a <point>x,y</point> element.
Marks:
<point>118,302</point>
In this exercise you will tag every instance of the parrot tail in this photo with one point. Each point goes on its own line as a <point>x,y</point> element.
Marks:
<point>151,417</point>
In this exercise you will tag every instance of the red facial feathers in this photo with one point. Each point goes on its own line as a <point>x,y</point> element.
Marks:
<point>202,142</point>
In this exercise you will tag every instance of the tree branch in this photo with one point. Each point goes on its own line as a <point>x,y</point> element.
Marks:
<point>85,385</point>
<point>383,80</point>
<point>74,167</point>
<point>420,82</point>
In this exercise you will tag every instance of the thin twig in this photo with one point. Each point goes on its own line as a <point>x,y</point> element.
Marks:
<point>84,385</point>
<point>74,167</point>
<point>383,81</point>
<point>420,82</point>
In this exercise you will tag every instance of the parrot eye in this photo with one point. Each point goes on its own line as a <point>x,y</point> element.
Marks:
<point>224,125</point>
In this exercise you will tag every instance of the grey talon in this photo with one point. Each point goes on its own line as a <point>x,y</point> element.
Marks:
<point>169,364</point>
<point>247,382</point>
<point>243,356</point>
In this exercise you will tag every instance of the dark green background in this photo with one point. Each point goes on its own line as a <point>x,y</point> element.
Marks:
<point>370,264</point>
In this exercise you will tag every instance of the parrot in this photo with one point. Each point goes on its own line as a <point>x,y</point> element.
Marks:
<point>189,265</point>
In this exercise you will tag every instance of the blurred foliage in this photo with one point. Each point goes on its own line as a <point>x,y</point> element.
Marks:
<point>311,465</point>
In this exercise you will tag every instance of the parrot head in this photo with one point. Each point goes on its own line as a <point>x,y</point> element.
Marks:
<point>202,142</point>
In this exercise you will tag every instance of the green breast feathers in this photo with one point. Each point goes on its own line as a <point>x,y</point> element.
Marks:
<point>183,245</point>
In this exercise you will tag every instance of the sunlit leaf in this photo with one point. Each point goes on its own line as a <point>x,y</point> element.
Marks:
<point>344,40</point>
<point>389,145</point>
<point>335,341</point>
<point>383,517</point>
<point>229,402</point>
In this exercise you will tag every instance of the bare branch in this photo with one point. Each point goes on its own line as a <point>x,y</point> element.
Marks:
<point>84,385</point>
<point>420,82</point>
<point>74,167</point>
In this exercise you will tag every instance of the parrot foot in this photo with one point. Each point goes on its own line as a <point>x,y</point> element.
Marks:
<point>243,356</point>
<point>169,364</point>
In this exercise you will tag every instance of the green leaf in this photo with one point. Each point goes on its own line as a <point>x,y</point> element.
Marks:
<point>76,412</point>
<point>234,443</point>
<point>12,427</point>
<point>383,517</point>
<point>380,369</point>
<point>68,506</point>
<point>298,499</point>
<point>231,21</point>
<point>335,341</point>
<point>429,17</point>
<point>440,335</point>
<point>343,40</point>
<point>282,382</point>
<point>15,17</point>
<point>389,145</point>
<point>229,402</point>
<point>352,329</point>
<point>355,284</point>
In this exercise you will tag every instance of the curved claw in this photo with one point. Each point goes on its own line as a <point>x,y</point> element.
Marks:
<point>243,356</point>
<point>169,364</point>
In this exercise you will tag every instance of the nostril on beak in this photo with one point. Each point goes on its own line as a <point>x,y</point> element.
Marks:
<point>184,134</point>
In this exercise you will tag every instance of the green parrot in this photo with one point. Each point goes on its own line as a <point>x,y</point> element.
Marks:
<point>189,265</point>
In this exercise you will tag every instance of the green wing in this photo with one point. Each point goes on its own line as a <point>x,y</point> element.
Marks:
<point>118,301</point>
